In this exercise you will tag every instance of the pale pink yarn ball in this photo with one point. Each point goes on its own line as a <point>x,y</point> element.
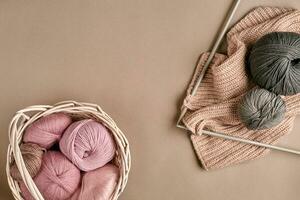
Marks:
<point>88,144</point>
<point>47,130</point>
<point>58,178</point>
<point>98,184</point>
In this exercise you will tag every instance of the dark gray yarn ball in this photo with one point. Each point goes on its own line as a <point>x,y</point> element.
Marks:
<point>275,62</point>
<point>261,109</point>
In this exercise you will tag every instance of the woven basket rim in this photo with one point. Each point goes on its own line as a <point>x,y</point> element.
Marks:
<point>24,117</point>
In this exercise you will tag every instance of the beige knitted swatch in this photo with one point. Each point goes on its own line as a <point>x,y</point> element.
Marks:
<point>214,107</point>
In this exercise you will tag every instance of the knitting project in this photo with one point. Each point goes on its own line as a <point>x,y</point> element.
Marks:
<point>214,106</point>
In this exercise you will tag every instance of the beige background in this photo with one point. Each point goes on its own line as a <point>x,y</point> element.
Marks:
<point>134,58</point>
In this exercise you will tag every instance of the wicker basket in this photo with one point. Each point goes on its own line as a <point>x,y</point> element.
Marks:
<point>25,117</point>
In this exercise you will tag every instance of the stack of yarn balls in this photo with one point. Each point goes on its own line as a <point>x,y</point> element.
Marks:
<point>68,159</point>
<point>274,64</point>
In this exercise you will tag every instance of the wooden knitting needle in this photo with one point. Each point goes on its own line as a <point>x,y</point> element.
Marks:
<point>199,80</point>
<point>211,55</point>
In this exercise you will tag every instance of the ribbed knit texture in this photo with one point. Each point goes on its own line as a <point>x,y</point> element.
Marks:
<point>214,107</point>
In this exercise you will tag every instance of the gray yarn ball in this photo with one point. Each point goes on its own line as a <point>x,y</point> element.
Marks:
<point>261,109</point>
<point>275,62</point>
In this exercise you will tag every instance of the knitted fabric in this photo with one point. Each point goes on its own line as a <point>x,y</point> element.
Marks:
<point>214,106</point>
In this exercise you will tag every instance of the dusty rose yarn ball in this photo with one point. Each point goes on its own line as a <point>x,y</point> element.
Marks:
<point>98,184</point>
<point>58,178</point>
<point>88,144</point>
<point>32,155</point>
<point>47,130</point>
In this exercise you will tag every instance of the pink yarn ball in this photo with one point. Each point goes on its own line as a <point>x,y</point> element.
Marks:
<point>98,184</point>
<point>88,144</point>
<point>58,178</point>
<point>47,130</point>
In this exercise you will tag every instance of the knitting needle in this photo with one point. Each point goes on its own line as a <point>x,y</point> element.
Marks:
<point>269,146</point>
<point>211,55</point>
<point>220,135</point>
